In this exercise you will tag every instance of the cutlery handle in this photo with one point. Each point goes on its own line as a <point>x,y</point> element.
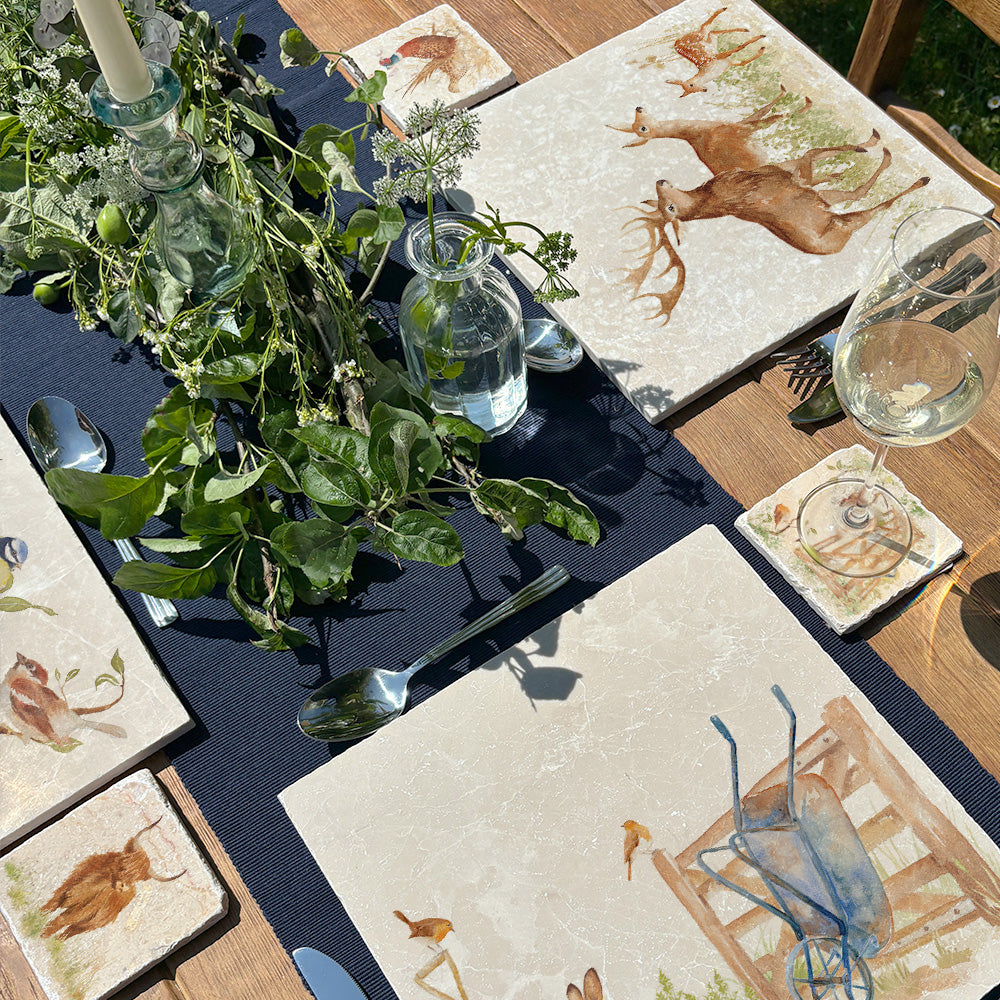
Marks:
<point>552,579</point>
<point>162,611</point>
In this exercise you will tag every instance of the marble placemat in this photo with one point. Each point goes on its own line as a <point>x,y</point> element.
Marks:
<point>844,603</point>
<point>81,699</point>
<point>540,817</point>
<point>632,136</point>
<point>437,56</point>
<point>108,891</point>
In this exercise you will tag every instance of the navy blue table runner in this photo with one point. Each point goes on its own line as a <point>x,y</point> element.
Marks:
<point>645,488</point>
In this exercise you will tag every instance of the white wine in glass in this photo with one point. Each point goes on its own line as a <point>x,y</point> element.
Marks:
<point>914,360</point>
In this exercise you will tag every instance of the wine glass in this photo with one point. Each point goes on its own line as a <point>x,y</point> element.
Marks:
<point>914,359</point>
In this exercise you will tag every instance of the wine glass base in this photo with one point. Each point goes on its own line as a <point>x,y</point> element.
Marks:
<point>874,549</point>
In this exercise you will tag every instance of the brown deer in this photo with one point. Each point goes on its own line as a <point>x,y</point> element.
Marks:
<point>779,196</point>
<point>697,47</point>
<point>719,145</point>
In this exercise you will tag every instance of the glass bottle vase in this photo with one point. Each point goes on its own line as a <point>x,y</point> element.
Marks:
<point>460,323</point>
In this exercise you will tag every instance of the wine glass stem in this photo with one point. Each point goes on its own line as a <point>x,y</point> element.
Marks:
<point>858,514</point>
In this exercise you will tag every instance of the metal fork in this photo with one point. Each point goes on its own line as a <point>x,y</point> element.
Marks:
<point>810,365</point>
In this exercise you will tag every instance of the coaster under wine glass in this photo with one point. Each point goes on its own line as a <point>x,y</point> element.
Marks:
<point>845,602</point>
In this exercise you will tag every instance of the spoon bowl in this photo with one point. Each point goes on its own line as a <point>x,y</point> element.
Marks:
<point>549,347</point>
<point>363,700</point>
<point>62,436</point>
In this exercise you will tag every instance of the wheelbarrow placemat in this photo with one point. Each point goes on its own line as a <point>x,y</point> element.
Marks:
<point>541,817</point>
<point>764,157</point>
<point>81,699</point>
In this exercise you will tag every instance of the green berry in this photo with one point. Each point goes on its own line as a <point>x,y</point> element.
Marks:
<point>45,293</point>
<point>112,226</point>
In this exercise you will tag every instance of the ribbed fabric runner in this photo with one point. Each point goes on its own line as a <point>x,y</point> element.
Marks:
<point>645,488</point>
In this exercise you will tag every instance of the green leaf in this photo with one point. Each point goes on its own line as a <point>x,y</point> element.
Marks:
<point>117,663</point>
<point>232,368</point>
<point>296,49</point>
<point>341,170</point>
<point>389,452</point>
<point>391,223</point>
<point>405,461</point>
<point>180,431</point>
<point>173,545</point>
<point>215,518</point>
<point>272,638</point>
<point>166,581</point>
<point>9,603</point>
<point>371,91</point>
<point>324,551</point>
<point>225,485</point>
<point>72,674</point>
<point>518,506</point>
<point>333,441</point>
<point>563,510</point>
<point>122,317</point>
<point>120,505</point>
<point>419,535</point>
<point>331,483</point>
<point>361,226</point>
<point>452,425</point>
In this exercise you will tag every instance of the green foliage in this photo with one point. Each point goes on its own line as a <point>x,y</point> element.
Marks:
<point>718,989</point>
<point>314,423</point>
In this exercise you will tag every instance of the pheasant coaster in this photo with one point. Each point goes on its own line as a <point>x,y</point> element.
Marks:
<point>434,57</point>
<point>81,700</point>
<point>108,891</point>
<point>844,602</point>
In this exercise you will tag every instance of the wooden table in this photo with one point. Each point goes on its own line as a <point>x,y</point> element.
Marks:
<point>945,642</point>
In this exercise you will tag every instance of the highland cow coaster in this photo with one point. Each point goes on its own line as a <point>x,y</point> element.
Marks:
<point>725,189</point>
<point>843,602</point>
<point>434,57</point>
<point>107,892</point>
<point>81,700</point>
<point>535,830</point>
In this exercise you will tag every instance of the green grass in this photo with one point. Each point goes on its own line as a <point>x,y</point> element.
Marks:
<point>953,74</point>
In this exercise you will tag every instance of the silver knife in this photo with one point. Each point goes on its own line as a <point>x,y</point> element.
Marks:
<point>326,979</point>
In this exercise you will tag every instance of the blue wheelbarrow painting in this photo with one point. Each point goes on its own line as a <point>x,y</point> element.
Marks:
<point>798,838</point>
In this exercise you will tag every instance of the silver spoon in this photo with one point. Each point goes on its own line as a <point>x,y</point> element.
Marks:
<point>365,699</point>
<point>549,347</point>
<point>62,437</point>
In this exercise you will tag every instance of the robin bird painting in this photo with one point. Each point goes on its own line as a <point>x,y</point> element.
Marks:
<point>99,888</point>
<point>633,831</point>
<point>433,928</point>
<point>42,714</point>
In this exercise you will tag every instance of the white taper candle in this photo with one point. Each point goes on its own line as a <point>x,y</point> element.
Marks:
<point>114,45</point>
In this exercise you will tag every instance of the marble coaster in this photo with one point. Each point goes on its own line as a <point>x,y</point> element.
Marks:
<point>81,699</point>
<point>841,602</point>
<point>436,56</point>
<point>107,892</point>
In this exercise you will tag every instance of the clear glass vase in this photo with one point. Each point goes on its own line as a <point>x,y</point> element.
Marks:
<point>460,323</point>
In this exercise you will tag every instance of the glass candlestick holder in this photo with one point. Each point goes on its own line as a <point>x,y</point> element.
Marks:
<point>204,240</point>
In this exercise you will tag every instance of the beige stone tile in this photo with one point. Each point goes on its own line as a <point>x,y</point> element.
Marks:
<point>108,891</point>
<point>437,56</point>
<point>498,804</point>
<point>760,253</point>
<point>845,603</point>
<point>81,699</point>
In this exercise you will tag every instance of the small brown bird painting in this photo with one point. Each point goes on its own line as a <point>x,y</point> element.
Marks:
<point>633,832</point>
<point>99,888</point>
<point>433,928</point>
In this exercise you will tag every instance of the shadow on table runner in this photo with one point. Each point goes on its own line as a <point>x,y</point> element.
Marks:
<point>646,489</point>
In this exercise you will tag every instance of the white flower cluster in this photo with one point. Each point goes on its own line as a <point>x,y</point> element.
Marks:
<point>346,370</point>
<point>49,116</point>
<point>188,372</point>
<point>324,413</point>
<point>110,176</point>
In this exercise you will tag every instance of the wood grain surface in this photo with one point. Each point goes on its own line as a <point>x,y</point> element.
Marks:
<point>944,641</point>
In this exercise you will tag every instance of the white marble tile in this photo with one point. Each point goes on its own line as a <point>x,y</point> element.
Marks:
<point>498,805</point>
<point>844,603</point>
<point>81,699</point>
<point>437,56</point>
<point>761,253</point>
<point>108,891</point>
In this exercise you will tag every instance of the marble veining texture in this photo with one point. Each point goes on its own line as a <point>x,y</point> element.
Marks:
<point>108,891</point>
<point>549,156</point>
<point>498,804</point>
<point>437,56</point>
<point>845,603</point>
<point>88,636</point>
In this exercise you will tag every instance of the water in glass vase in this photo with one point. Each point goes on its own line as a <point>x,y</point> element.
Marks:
<point>908,383</point>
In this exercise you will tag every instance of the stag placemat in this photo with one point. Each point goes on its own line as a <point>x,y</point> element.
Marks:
<point>845,602</point>
<point>81,699</point>
<point>543,816</point>
<point>108,891</point>
<point>725,188</point>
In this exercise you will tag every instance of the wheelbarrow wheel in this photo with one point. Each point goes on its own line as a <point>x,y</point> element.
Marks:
<point>816,970</point>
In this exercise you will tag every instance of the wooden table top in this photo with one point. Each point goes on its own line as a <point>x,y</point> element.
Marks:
<point>944,642</point>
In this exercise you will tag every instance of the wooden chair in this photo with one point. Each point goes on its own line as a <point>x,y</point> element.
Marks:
<point>883,49</point>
